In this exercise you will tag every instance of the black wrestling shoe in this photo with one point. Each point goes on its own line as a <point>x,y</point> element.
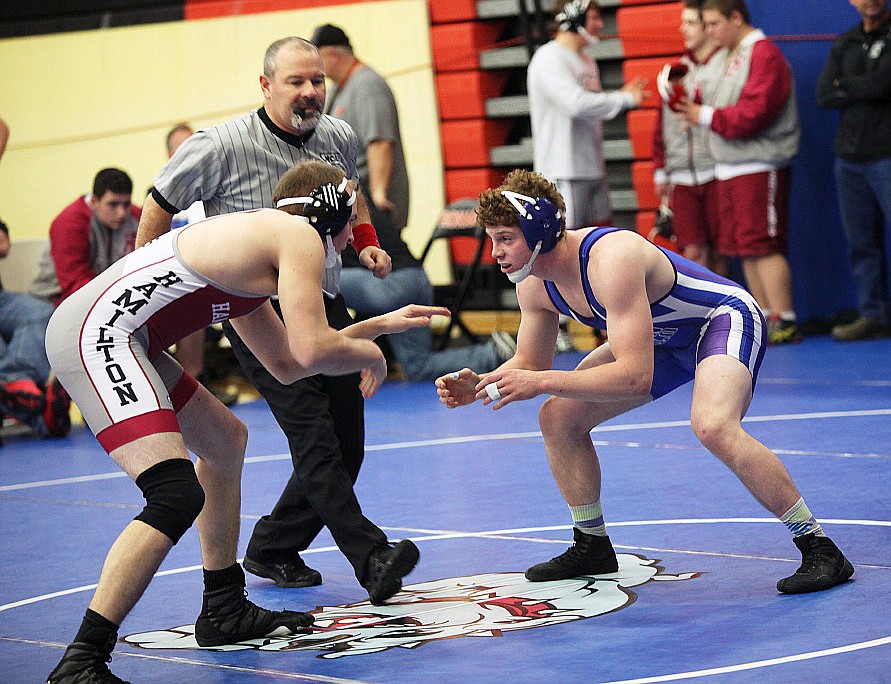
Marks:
<point>589,555</point>
<point>822,566</point>
<point>227,617</point>
<point>387,565</point>
<point>85,664</point>
<point>288,575</point>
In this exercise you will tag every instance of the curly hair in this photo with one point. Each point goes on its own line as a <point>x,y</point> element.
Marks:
<point>493,209</point>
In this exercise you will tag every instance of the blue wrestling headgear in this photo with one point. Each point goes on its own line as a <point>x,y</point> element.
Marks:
<point>542,226</point>
<point>328,209</point>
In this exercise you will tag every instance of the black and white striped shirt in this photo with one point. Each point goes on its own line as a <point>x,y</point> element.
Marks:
<point>236,165</point>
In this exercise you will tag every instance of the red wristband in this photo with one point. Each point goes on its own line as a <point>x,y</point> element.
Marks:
<point>364,235</point>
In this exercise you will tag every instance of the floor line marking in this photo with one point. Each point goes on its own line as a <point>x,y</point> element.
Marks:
<point>486,437</point>
<point>884,641</point>
<point>436,536</point>
<point>296,676</point>
<point>831,383</point>
<point>63,480</point>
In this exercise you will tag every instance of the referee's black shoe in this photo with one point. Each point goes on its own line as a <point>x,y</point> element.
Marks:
<point>591,554</point>
<point>288,575</point>
<point>822,566</point>
<point>227,617</point>
<point>84,663</point>
<point>387,565</point>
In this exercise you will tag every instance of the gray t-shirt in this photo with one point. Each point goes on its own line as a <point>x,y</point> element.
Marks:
<point>366,103</point>
<point>235,166</point>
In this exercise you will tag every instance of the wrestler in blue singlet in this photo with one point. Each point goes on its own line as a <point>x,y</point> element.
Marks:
<point>702,315</point>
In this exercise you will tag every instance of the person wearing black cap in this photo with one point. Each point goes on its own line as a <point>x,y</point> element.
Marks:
<point>361,97</point>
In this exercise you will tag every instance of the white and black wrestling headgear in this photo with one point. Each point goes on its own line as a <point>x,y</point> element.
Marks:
<point>328,209</point>
<point>572,18</point>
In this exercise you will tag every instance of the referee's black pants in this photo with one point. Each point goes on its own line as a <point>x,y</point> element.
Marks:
<point>323,418</point>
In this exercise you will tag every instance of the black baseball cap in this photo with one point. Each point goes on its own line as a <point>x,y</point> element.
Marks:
<point>328,34</point>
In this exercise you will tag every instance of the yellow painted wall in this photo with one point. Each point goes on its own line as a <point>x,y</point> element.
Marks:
<point>78,102</point>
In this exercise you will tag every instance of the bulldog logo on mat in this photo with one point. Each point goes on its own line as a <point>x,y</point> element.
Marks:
<point>487,605</point>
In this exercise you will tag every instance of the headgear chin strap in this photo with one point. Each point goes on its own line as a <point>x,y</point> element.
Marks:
<point>541,223</point>
<point>521,275</point>
<point>591,39</point>
<point>330,252</point>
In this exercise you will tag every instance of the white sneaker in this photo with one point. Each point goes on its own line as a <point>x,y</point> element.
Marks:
<point>564,340</point>
<point>505,345</point>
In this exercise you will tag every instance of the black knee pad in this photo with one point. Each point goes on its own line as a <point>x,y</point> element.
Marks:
<point>173,496</point>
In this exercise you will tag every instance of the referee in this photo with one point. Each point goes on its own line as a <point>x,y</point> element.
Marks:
<point>234,167</point>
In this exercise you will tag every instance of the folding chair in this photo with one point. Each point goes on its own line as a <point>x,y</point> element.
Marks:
<point>458,219</point>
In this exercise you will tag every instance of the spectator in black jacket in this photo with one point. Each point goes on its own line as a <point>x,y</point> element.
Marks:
<point>857,81</point>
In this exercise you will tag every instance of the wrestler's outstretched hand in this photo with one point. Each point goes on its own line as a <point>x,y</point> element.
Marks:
<point>457,389</point>
<point>410,316</point>
<point>503,386</point>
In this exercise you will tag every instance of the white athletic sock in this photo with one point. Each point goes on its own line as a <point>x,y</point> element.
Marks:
<point>588,518</point>
<point>800,520</point>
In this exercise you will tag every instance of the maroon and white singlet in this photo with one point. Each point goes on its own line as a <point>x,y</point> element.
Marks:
<point>107,341</point>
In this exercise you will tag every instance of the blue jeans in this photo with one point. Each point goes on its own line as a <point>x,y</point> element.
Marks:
<point>23,320</point>
<point>370,296</point>
<point>864,194</point>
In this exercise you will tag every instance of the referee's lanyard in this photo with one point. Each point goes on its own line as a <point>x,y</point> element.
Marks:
<point>329,107</point>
